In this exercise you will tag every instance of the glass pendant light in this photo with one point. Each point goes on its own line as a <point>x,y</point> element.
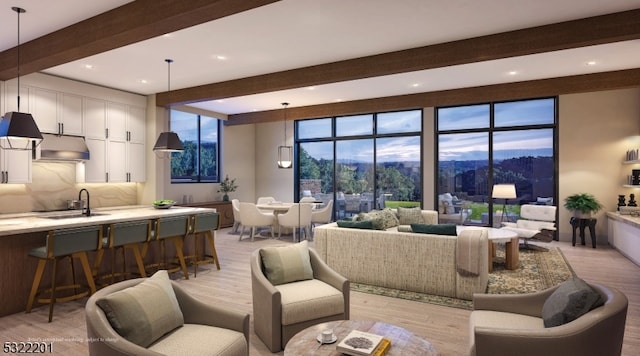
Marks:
<point>168,141</point>
<point>285,153</point>
<point>18,130</point>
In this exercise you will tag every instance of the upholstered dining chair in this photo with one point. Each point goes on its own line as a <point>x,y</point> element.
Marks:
<point>237,223</point>
<point>307,200</point>
<point>322,215</point>
<point>155,316</point>
<point>297,217</point>
<point>309,293</point>
<point>513,324</point>
<point>265,200</point>
<point>253,218</point>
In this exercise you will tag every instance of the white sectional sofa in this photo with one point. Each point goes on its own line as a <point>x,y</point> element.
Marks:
<point>417,262</point>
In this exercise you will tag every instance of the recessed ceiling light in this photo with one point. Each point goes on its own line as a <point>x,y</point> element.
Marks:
<point>512,72</point>
<point>221,58</point>
<point>220,101</point>
<point>88,66</point>
<point>143,81</point>
<point>311,88</point>
<point>592,63</point>
<point>338,100</point>
<point>415,85</point>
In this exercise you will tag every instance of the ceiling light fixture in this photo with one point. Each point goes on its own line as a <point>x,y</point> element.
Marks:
<point>285,153</point>
<point>168,141</point>
<point>19,129</point>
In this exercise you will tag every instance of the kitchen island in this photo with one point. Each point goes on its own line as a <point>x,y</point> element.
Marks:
<point>19,233</point>
<point>624,235</point>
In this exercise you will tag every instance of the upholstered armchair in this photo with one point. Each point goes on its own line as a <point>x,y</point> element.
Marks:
<point>533,220</point>
<point>154,316</point>
<point>512,324</point>
<point>282,308</point>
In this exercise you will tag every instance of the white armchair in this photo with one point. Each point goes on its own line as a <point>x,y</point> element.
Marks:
<point>252,217</point>
<point>533,221</point>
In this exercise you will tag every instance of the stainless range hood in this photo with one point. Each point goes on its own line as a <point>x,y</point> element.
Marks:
<point>62,148</point>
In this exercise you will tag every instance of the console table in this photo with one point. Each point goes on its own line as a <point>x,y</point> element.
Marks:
<point>224,208</point>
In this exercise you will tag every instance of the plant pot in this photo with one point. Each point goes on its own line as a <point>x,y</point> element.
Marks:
<point>580,215</point>
<point>225,197</point>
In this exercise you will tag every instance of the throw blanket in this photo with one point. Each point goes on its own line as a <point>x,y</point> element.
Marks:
<point>468,254</point>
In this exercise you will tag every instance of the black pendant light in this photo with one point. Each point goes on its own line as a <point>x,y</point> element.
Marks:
<point>168,141</point>
<point>285,153</point>
<point>19,129</point>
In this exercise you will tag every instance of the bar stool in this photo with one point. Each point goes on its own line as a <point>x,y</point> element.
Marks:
<point>122,236</point>
<point>64,243</point>
<point>205,224</point>
<point>174,228</point>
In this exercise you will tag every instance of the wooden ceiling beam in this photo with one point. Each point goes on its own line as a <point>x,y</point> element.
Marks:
<point>133,22</point>
<point>498,92</point>
<point>596,30</point>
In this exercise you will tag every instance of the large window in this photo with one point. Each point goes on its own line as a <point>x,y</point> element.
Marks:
<point>495,143</point>
<point>199,162</point>
<point>362,162</point>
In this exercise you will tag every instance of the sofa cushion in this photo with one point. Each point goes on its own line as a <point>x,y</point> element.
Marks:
<point>572,299</point>
<point>365,224</point>
<point>145,312</point>
<point>287,263</point>
<point>386,216</point>
<point>404,228</point>
<point>309,300</point>
<point>197,339</point>
<point>408,216</point>
<point>435,229</point>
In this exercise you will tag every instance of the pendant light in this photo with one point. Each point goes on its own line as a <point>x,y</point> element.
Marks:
<point>18,130</point>
<point>168,141</point>
<point>285,153</point>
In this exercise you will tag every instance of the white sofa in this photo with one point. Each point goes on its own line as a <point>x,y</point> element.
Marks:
<point>417,262</point>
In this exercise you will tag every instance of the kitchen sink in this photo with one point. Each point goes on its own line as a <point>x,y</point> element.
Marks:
<point>71,216</point>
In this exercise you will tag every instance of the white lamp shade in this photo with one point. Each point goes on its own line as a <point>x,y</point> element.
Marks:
<point>504,191</point>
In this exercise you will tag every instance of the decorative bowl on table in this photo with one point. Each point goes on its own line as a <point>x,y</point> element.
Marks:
<point>163,203</point>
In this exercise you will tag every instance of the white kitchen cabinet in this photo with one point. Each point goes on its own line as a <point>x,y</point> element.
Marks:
<point>15,166</point>
<point>11,98</point>
<point>136,162</point>
<point>95,169</point>
<point>57,113</point>
<point>95,118</point>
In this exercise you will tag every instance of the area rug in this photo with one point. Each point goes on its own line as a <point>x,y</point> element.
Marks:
<point>537,270</point>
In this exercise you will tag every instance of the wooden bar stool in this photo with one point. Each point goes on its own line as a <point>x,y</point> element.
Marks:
<point>205,224</point>
<point>64,243</point>
<point>174,228</point>
<point>122,236</point>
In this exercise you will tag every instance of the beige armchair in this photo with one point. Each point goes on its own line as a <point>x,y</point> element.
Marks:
<point>512,324</point>
<point>281,311</point>
<point>207,328</point>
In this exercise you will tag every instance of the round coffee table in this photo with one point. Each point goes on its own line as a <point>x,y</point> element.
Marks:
<point>403,342</point>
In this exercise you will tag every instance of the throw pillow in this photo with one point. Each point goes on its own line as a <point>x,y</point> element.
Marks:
<point>145,312</point>
<point>408,216</point>
<point>387,216</point>
<point>572,299</point>
<point>435,229</point>
<point>365,224</point>
<point>404,228</point>
<point>287,263</point>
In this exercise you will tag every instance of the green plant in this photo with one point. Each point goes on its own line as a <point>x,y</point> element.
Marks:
<point>582,202</point>
<point>228,185</point>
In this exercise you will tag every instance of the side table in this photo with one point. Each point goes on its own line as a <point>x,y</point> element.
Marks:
<point>581,224</point>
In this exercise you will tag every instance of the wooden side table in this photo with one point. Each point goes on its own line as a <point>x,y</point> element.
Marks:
<point>581,224</point>
<point>224,208</point>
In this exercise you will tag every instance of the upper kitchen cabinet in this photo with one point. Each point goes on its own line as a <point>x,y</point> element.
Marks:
<point>95,118</point>
<point>11,98</point>
<point>15,166</point>
<point>57,113</point>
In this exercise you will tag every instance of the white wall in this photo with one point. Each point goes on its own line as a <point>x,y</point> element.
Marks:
<point>596,130</point>
<point>271,180</point>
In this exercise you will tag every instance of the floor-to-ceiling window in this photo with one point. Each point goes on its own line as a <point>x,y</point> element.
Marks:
<point>362,162</point>
<point>482,145</point>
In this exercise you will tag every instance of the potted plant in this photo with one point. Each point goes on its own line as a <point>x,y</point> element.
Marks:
<point>227,186</point>
<point>582,204</point>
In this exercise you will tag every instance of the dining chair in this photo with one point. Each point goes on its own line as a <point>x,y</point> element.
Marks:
<point>253,217</point>
<point>265,200</point>
<point>322,216</point>
<point>297,217</point>
<point>235,204</point>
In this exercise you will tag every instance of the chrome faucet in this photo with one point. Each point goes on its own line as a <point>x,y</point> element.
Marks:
<point>88,211</point>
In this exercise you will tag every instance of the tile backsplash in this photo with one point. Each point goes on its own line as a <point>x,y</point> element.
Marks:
<point>54,183</point>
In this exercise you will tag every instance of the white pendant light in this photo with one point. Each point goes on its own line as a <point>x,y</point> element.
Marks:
<point>18,130</point>
<point>285,153</point>
<point>168,141</point>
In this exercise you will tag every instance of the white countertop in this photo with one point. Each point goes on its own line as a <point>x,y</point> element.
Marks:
<point>14,224</point>
<point>631,220</point>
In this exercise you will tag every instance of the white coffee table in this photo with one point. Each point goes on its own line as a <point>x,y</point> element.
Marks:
<point>510,238</point>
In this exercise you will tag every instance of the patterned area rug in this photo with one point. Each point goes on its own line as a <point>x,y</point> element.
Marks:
<point>538,270</point>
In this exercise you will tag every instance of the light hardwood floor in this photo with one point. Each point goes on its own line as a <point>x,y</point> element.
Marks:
<point>446,328</point>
